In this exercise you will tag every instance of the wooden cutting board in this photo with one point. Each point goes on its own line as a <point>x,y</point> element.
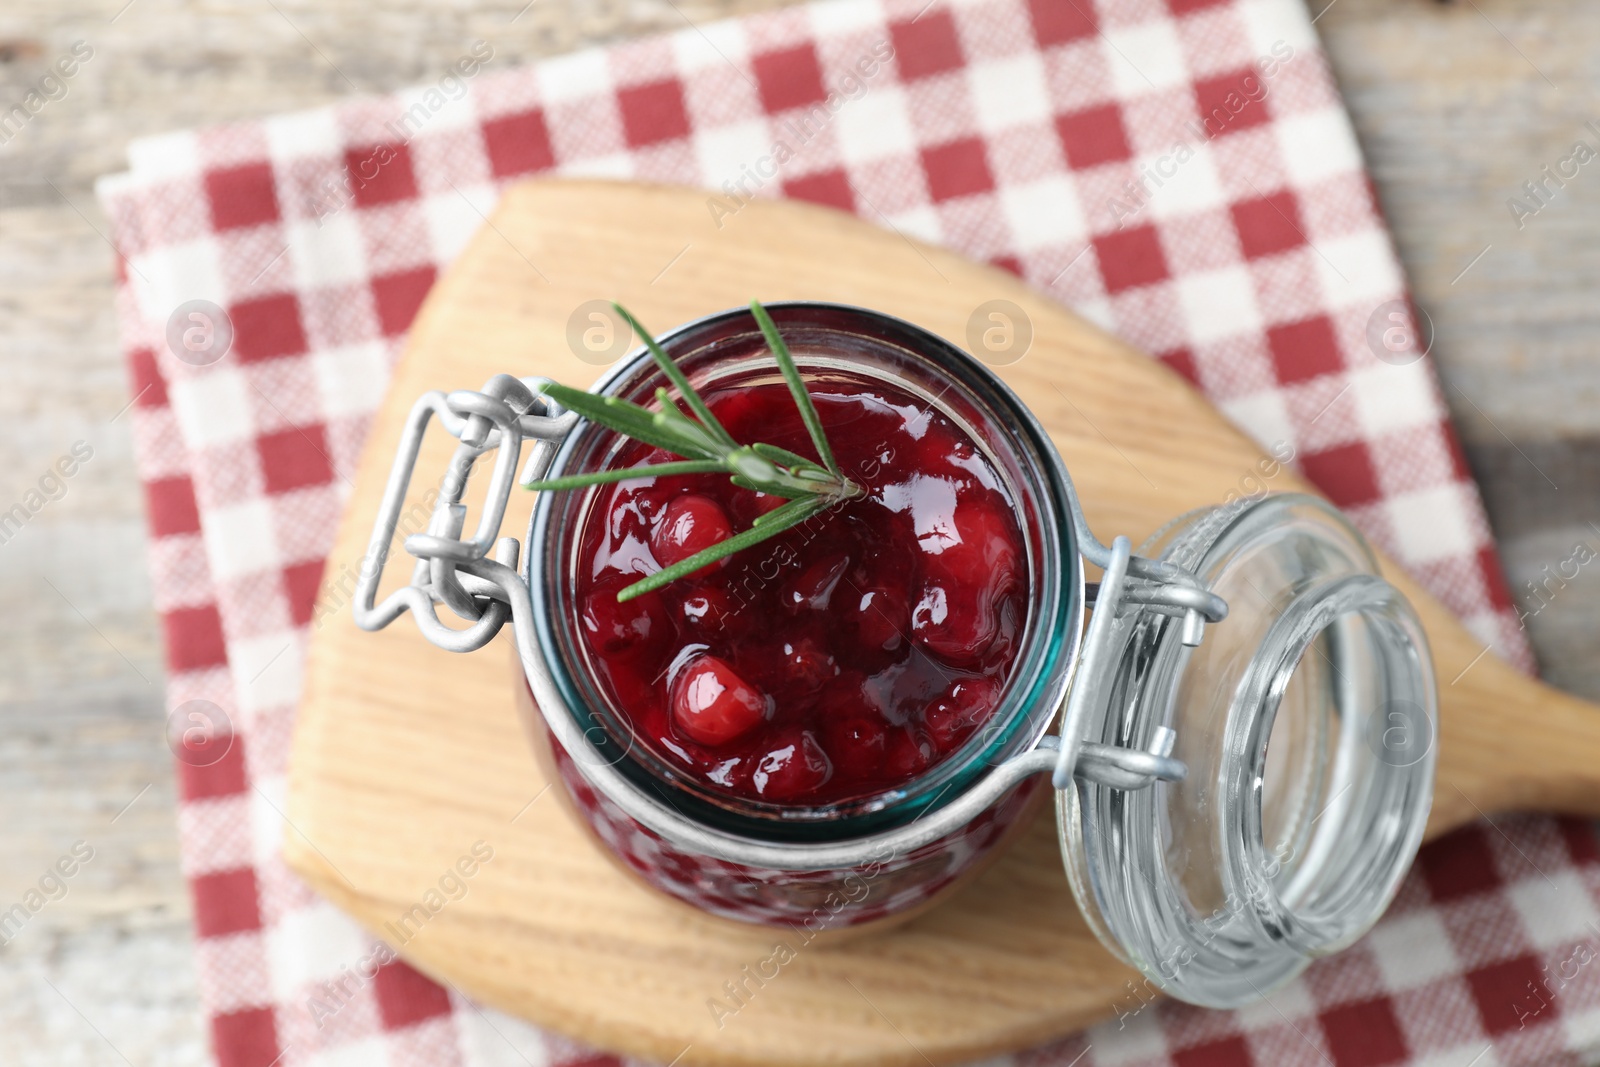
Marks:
<point>406,756</point>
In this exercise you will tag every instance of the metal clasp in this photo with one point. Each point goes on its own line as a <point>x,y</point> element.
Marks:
<point>1162,586</point>
<point>460,573</point>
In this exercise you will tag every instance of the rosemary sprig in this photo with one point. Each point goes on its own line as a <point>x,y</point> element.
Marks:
<point>706,447</point>
<point>791,374</point>
<point>676,377</point>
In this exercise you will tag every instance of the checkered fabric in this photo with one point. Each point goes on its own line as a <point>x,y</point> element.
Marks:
<point>1180,171</point>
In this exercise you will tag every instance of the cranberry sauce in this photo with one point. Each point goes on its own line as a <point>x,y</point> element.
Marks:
<point>837,660</point>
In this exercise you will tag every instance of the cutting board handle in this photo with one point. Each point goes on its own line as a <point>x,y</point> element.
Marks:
<point>1511,743</point>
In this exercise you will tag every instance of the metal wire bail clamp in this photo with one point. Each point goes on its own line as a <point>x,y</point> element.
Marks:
<point>448,570</point>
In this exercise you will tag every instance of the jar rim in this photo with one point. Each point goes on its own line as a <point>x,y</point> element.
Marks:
<point>1037,679</point>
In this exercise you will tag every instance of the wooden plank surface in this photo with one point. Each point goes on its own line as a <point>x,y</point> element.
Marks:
<point>1452,117</point>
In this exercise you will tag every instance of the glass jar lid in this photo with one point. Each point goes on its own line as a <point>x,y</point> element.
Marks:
<point>1303,722</point>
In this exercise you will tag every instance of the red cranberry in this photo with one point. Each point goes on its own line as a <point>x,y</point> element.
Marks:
<point>712,705</point>
<point>844,697</point>
<point>936,442</point>
<point>908,754</point>
<point>956,712</point>
<point>794,671</point>
<point>813,589</point>
<point>880,617</point>
<point>637,505</point>
<point>617,629</point>
<point>692,523</point>
<point>808,664</point>
<point>793,766</point>
<point>706,611</point>
<point>959,613</point>
<point>751,415</point>
<point>856,744</point>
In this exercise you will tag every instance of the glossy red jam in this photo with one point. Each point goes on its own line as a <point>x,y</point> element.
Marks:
<point>837,660</point>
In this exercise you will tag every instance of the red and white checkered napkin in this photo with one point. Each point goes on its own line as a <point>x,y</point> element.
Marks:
<point>1181,172</point>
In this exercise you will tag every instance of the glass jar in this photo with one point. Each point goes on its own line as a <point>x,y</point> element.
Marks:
<point>1244,761</point>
